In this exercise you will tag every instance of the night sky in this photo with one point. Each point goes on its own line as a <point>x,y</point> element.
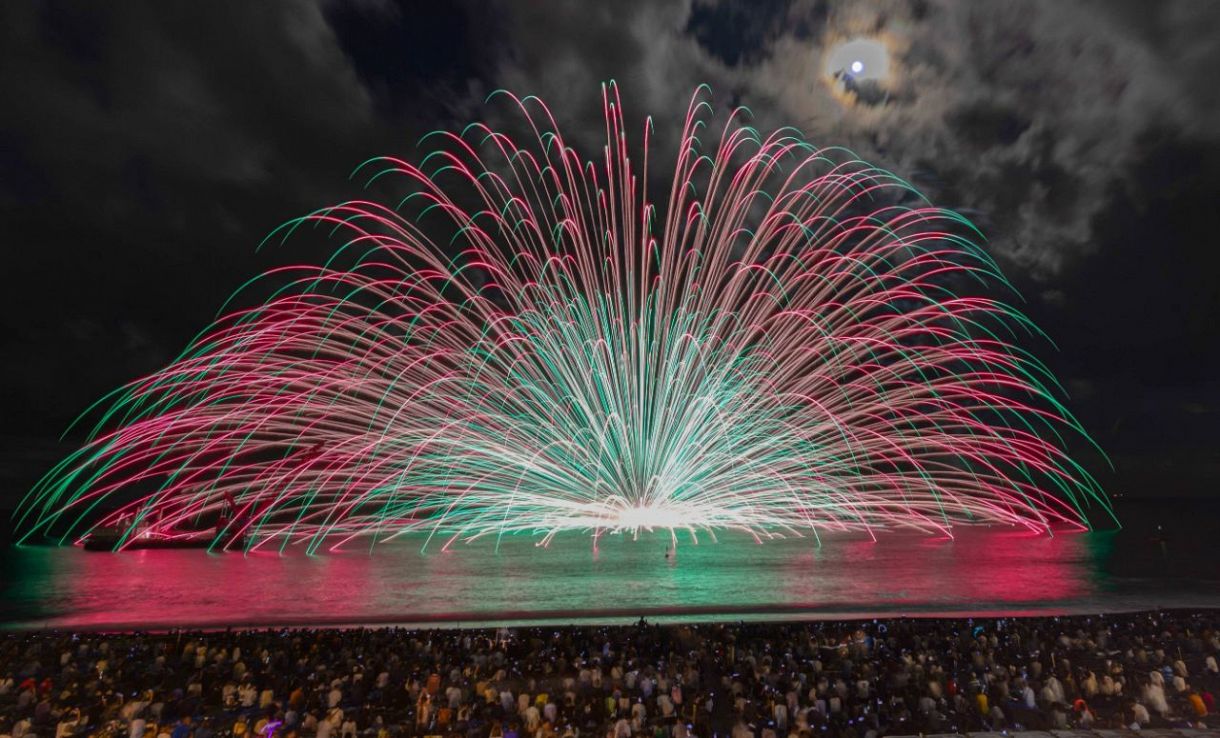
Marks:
<point>146,150</point>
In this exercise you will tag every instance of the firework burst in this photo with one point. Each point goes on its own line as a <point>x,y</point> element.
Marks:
<point>787,341</point>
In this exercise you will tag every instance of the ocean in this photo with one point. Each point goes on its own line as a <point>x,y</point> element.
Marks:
<point>1167,555</point>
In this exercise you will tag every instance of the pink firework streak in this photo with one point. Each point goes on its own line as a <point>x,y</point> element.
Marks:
<point>792,342</point>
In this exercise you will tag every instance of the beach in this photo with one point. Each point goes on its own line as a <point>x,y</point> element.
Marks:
<point>872,677</point>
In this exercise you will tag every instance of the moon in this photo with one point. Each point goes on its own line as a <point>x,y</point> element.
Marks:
<point>863,59</point>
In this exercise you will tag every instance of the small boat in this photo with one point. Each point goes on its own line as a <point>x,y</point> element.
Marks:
<point>108,539</point>
<point>121,535</point>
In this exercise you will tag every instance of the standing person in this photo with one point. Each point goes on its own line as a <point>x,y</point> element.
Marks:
<point>68,724</point>
<point>204,729</point>
<point>325,727</point>
<point>182,729</point>
<point>296,699</point>
<point>1197,704</point>
<point>423,710</point>
<point>247,695</point>
<point>1139,716</point>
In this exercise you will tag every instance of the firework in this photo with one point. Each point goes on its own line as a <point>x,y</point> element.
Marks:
<point>787,341</point>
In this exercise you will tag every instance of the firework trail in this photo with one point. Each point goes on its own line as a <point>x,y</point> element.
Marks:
<point>792,341</point>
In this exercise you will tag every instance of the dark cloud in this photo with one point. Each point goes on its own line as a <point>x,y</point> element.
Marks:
<point>737,33</point>
<point>1020,114</point>
<point>1146,300</point>
<point>406,53</point>
<point>146,149</point>
<point>986,124</point>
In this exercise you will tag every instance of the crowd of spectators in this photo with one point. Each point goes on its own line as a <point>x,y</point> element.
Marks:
<point>740,680</point>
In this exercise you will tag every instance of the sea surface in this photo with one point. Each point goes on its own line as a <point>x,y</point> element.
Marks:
<point>1167,555</point>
